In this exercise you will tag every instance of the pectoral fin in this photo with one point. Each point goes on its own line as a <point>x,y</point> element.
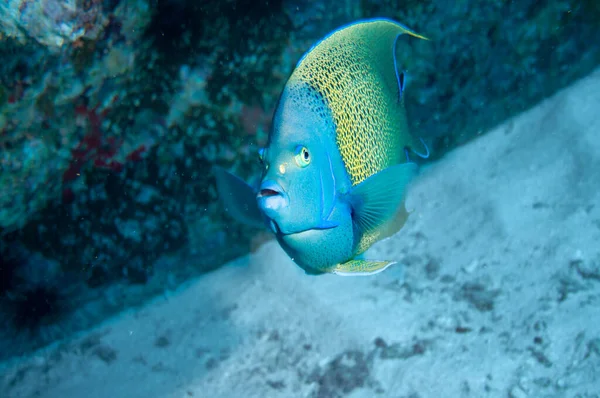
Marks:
<point>361,267</point>
<point>377,200</point>
<point>395,224</point>
<point>239,199</point>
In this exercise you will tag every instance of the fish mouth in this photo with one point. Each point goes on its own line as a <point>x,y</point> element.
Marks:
<point>271,198</point>
<point>267,192</point>
<point>268,189</point>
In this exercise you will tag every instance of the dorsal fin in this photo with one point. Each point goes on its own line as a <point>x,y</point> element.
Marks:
<point>354,69</point>
<point>382,35</point>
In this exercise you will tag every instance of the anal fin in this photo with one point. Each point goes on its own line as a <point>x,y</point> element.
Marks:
<point>361,267</point>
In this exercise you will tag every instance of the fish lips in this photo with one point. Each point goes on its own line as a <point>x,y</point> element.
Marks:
<point>272,199</point>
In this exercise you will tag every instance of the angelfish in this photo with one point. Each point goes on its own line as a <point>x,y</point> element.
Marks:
<point>337,162</point>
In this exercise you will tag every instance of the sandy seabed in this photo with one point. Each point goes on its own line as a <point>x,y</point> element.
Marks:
<point>496,294</point>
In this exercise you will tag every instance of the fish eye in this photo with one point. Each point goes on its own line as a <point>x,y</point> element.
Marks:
<point>302,156</point>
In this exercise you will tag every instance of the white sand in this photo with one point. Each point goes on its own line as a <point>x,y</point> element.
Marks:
<point>499,294</point>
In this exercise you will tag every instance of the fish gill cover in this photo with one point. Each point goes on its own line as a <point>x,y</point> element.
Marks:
<point>113,112</point>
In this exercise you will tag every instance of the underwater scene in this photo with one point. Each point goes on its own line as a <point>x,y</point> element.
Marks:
<point>296,198</point>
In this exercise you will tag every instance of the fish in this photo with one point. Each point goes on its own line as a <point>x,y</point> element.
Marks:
<point>337,163</point>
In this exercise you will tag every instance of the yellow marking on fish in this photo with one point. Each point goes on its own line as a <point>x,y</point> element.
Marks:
<point>353,69</point>
<point>361,267</point>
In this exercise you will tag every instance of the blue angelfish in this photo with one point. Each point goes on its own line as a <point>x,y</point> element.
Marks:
<point>337,162</point>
